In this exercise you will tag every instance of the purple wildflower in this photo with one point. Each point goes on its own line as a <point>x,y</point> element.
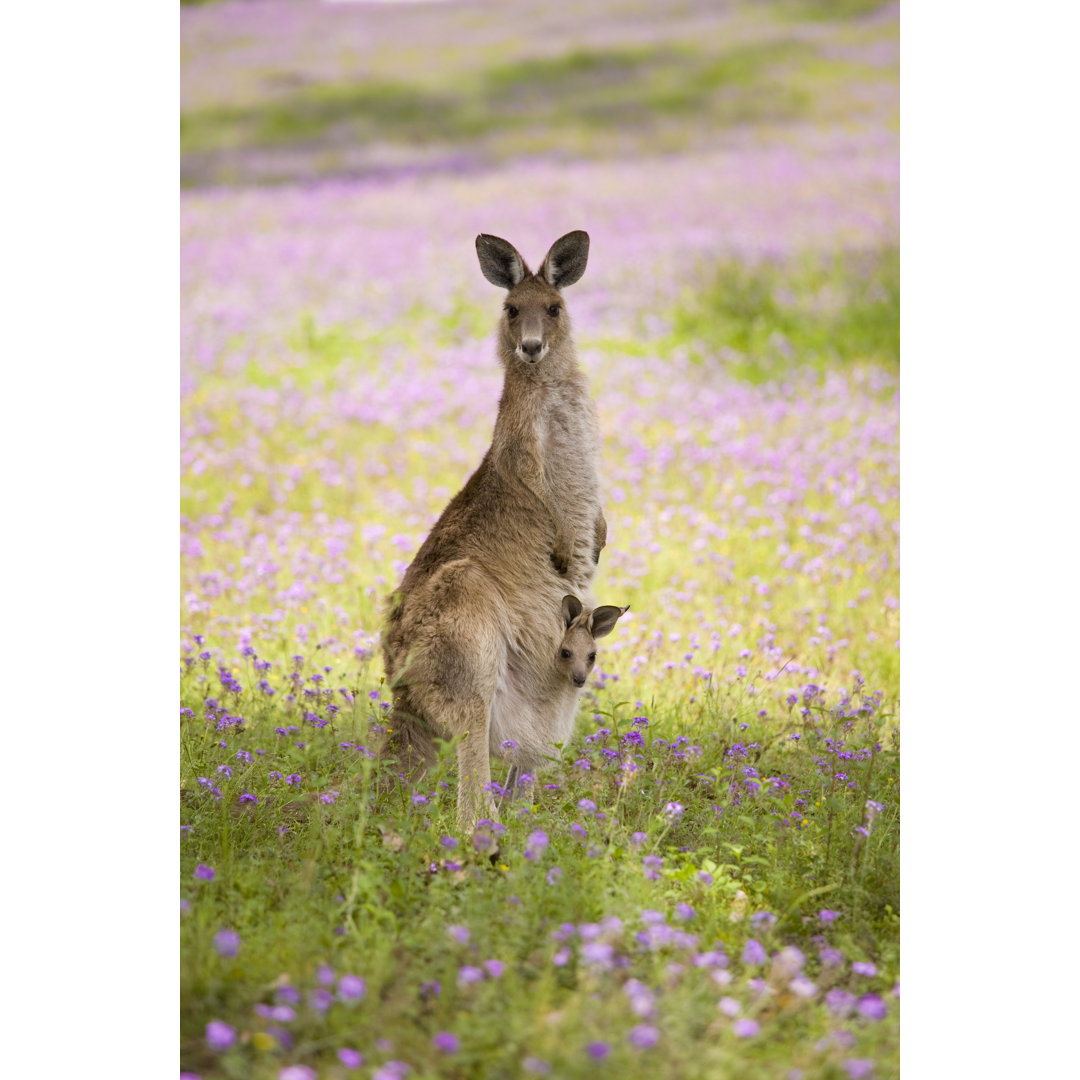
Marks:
<point>871,1006</point>
<point>745,1028</point>
<point>204,872</point>
<point>227,942</point>
<point>643,1036</point>
<point>447,1042</point>
<point>219,1036</point>
<point>859,1068</point>
<point>459,933</point>
<point>351,988</point>
<point>298,1072</point>
<point>864,968</point>
<point>754,952</point>
<point>351,1059</point>
<point>840,1002</point>
<point>598,1050</point>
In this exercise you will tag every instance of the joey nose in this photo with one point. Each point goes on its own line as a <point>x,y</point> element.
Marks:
<point>579,680</point>
<point>531,347</point>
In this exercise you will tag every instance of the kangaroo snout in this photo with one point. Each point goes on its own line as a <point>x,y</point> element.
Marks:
<point>532,349</point>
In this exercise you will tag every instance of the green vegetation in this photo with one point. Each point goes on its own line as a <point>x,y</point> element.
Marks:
<point>768,319</point>
<point>546,102</point>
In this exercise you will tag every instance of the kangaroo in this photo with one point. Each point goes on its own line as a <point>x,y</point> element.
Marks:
<point>574,660</point>
<point>473,626</point>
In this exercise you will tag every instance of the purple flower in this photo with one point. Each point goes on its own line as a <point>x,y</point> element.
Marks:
<point>447,1042</point>
<point>745,1028</point>
<point>325,975</point>
<point>762,918</point>
<point>705,877</point>
<point>587,806</point>
<point>754,952</point>
<point>459,933</point>
<point>643,1036</point>
<point>292,778</point>
<point>729,1006</point>
<point>227,942</point>
<point>802,987</point>
<point>219,1036</point>
<point>858,1068</point>
<point>536,1066</point>
<point>871,1006</point>
<point>287,995</point>
<point>598,1050</point>
<point>864,968</point>
<point>839,1001</point>
<point>298,1072</point>
<point>651,865</point>
<point>638,838</point>
<point>599,954</point>
<point>204,872</point>
<point>674,810</point>
<point>448,842</point>
<point>827,916</point>
<point>554,875</point>
<point>535,844</point>
<point>320,1000</point>
<point>351,988</point>
<point>562,957</point>
<point>468,974</point>
<point>684,911</point>
<point>495,968</point>
<point>392,1070</point>
<point>831,957</point>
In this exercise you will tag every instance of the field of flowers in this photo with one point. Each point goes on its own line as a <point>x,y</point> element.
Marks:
<point>707,882</point>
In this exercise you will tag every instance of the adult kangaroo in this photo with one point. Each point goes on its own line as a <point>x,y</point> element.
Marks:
<point>475,625</point>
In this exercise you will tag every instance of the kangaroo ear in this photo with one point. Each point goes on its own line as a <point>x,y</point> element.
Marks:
<point>499,261</point>
<point>571,609</point>
<point>602,621</point>
<point>566,260</point>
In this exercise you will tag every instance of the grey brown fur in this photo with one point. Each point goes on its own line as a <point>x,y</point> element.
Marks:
<point>574,659</point>
<point>475,625</point>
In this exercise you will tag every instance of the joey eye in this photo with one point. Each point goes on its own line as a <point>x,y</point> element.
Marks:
<point>511,311</point>
<point>592,657</point>
<point>565,653</point>
<point>553,311</point>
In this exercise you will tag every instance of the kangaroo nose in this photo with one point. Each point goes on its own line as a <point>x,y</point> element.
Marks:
<point>531,346</point>
<point>579,680</point>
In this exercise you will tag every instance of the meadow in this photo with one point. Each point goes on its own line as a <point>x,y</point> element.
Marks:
<point>705,882</point>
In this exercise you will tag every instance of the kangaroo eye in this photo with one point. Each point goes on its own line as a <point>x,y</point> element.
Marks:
<point>592,657</point>
<point>565,653</point>
<point>511,311</point>
<point>553,311</point>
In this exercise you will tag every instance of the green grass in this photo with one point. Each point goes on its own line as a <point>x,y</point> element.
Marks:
<point>544,102</point>
<point>350,884</point>
<point>769,319</point>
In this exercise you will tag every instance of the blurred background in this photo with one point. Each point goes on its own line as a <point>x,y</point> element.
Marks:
<point>736,164</point>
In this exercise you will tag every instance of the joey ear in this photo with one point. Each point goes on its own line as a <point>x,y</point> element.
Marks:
<point>566,260</point>
<point>499,261</point>
<point>602,621</point>
<point>571,609</point>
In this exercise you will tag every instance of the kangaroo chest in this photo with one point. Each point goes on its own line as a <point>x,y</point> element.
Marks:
<point>566,438</point>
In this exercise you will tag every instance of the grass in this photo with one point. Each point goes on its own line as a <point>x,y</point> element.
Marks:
<point>324,873</point>
<point>550,103</point>
<point>818,313</point>
<point>363,883</point>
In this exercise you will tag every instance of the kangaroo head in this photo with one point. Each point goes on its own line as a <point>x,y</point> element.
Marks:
<point>534,320</point>
<point>577,652</point>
